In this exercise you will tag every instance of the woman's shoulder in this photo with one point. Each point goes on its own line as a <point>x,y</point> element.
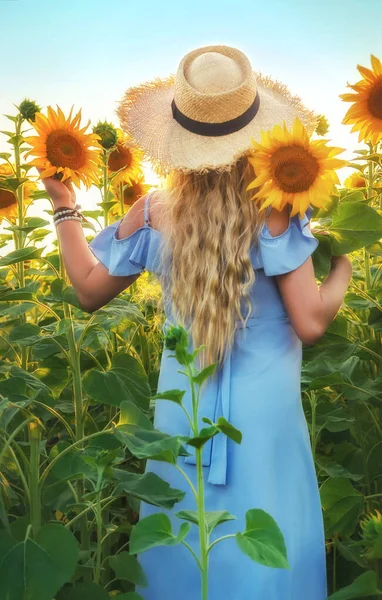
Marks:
<point>135,218</point>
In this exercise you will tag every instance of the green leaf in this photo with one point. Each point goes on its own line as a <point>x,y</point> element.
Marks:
<point>26,293</point>
<point>130,596</point>
<point>205,434</point>
<point>105,387</point>
<point>5,155</point>
<point>134,377</point>
<point>147,487</point>
<point>155,530</point>
<point>222,426</point>
<point>85,591</point>
<point>20,255</point>
<point>262,540</point>
<point>334,469</point>
<point>131,414</point>
<point>12,183</point>
<point>153,444</point>
<point>354,225</point>
<point>126,566</point>
<point>213,518</point>
<point>26,334</point>
<point>363,586</point>
<point>204,374</point>
<point>37,569</point>
<point>46,347</point>
<point>350,552</point>
<point>53,372</point>
<point>16,309</point>
<point>229,430</point>
<point>173,395</point>
<point>61,292</point>
<point>354,196</point>
<point>330,346</point>
<point>322,256</point>
<point>41,195</point>
<point>31,223</point>
<point>14,386</point>
<point>342,506</point>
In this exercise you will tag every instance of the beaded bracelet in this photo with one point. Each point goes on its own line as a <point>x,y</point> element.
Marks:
<point>64,211</point>
<point>67,218</point>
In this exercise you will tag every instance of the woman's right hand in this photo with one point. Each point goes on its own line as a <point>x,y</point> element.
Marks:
<point>61,193</point>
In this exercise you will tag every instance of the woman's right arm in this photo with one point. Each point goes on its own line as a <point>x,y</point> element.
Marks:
<point>311,308</point>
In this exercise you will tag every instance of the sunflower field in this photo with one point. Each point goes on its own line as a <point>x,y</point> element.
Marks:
<point>71,478</point>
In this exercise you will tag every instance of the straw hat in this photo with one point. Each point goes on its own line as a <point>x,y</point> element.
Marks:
<point>204,116</point>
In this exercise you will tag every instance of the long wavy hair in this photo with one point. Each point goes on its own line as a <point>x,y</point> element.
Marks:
<point>210,224</point>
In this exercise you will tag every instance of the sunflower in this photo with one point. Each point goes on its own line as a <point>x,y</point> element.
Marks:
<point>62,147</point>
<point>135,190</point>
<point>8,200</point>
<point>291,169</point>
<point>355,180</point>
<point>366,113</point>
<point>127,160</point>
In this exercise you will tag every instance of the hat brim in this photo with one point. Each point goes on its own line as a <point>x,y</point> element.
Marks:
<point>145,114</point>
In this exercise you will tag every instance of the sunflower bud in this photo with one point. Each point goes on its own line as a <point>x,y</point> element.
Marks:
<point>177,340</point>
<point>372,526</point>
<point>108,134</point>
<point>28,110</point>
<point>176,336</point>
<point>322,125</point>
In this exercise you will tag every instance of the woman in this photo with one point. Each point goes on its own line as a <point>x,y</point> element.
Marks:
<point>244,284</point>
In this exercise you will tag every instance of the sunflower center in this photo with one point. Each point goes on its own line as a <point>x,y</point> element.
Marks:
<point>294,169</point>
<point>64,150</point>
<point>375,101</point>
<point>120,157</point>
<point>131,193</point>
<point>6,199</point>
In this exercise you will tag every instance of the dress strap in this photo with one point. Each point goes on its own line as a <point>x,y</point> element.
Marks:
<point>147,209</point>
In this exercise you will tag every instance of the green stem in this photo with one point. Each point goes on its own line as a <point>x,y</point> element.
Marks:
<point>313,404</point>
<point>188,481</point>
<point>369,195</point>
<point>34,466</point>
<point>203,535</point>
<point>193,554</point>
<point>334,565</point>
<point>105,187</point>
<point>13,436</point>
<point>202,525</point>
<point>98,515</point>
<point>121,186</point>
<point>20,234</point>
<point>224,537</point>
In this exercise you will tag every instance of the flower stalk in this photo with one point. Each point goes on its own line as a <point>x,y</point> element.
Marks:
<point>34,467</point>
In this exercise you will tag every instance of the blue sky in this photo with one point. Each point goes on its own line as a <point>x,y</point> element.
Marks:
<point>87,52</point>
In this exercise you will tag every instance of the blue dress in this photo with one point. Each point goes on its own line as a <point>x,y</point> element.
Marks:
<point>259,391</point>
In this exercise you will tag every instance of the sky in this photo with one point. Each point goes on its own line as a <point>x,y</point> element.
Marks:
<point>88,52</point>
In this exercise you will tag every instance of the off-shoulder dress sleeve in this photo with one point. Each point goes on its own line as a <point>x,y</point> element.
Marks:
<point>289,250</point>
<point>129,255</point>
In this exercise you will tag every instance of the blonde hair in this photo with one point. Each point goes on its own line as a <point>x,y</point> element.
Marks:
<point>210,224</point>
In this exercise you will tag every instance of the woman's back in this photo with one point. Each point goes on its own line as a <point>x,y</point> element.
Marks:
<point>258,391</point>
